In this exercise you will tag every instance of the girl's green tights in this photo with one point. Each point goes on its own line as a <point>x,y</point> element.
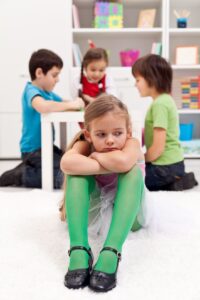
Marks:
<point>126,207</point>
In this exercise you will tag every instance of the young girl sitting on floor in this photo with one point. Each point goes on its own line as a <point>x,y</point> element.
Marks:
<point>165,168</point>
<point>102,160</point>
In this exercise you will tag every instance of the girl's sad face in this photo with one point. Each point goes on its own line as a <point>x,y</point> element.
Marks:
<point>108,132</point>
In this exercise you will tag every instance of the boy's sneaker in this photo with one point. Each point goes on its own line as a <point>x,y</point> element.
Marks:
<point>12,177</point>
<point>186,182</point>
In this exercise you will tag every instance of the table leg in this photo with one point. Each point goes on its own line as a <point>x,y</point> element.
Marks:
<point>63,136</point>
<point>47,156</point>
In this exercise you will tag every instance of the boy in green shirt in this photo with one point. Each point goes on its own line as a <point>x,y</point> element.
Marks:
<point>165,168</point>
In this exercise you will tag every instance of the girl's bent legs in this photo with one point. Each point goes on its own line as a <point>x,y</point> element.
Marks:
<point>126,207</point>
<point>77,207</point>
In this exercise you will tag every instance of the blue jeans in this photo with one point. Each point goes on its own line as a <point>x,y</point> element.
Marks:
<point>31,175</point>
<point>160,177</point>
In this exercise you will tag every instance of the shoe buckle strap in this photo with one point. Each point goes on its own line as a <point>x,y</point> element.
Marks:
<point>118,254</point>
<point>81,248</point>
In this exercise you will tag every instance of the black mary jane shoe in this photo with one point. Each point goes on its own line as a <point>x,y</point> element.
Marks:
<point>101,281</point>
<point>79,278</point>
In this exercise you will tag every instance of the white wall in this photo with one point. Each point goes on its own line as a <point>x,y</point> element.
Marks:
<point>26,26</point>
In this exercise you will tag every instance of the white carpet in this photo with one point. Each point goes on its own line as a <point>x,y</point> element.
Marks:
<point>158,263</point>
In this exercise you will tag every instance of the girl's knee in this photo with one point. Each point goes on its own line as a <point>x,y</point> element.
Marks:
<point>81,181</point>
<point>135,175</point>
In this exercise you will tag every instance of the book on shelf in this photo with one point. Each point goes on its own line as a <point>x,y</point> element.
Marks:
<point>75,16</point>
<point>156,48</point>
<point>146,18</point>
<point>77,55</point>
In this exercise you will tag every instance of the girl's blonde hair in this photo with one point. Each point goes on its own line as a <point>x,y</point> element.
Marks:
<point>102,105</point>
<point>99,107</point>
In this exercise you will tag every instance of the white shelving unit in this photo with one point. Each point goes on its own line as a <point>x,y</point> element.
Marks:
<point>164,31</point>
<point>189,36</point>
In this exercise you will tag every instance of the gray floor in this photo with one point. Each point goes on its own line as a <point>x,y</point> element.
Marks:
<point>191,165</point>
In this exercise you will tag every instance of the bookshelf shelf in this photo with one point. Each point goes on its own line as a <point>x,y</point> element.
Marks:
<point>189,111</point>
<point>186,67</point>
<point>121,30</point>
<point>184,31</point>
<point>191,155</point>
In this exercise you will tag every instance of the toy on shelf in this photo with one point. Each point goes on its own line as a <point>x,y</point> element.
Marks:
<point>182,17</point>
<point>91,44</point>
<point>108,14</point>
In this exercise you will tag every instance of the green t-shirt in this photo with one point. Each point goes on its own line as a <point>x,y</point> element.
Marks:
<point>163,114</point>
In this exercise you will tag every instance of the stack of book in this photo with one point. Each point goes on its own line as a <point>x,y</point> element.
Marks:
<point>185,93</point>
<point>195,92</point>
<point>190,91</point>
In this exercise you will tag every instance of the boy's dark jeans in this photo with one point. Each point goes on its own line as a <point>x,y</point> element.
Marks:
<point>160,177</point>
<point>31,175</point>
<point>28,173</point>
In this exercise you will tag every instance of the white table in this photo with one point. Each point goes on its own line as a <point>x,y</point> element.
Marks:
<point>63,118</point>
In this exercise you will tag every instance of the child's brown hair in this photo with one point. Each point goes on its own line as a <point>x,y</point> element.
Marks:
<point>44,59</point>
<point>156,71</point>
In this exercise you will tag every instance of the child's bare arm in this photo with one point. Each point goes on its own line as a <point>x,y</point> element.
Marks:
<point>88,99</point>
<point>42,106</point>
<point>120,161</point>
<point>77,162</point>
<point>158,145</point>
